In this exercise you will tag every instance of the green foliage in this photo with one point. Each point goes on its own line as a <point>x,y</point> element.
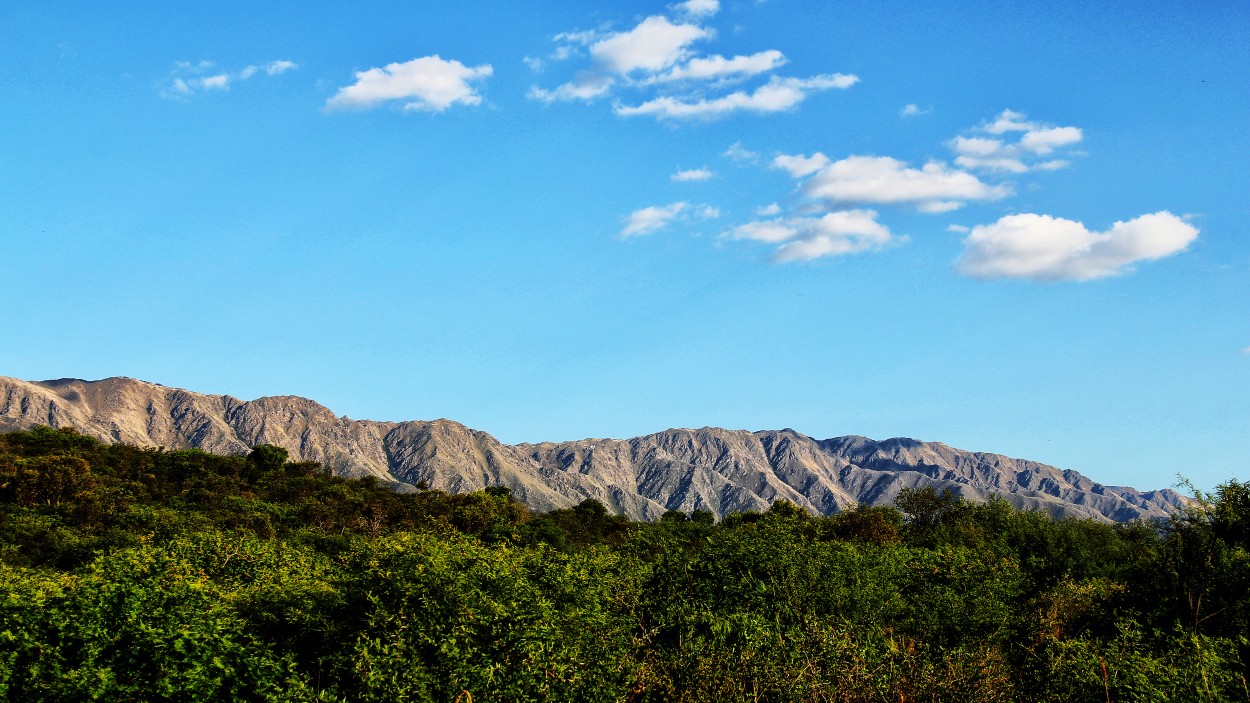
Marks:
<point>145,575</point>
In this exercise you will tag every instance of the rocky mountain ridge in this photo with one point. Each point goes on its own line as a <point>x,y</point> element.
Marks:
<point>678,469</point>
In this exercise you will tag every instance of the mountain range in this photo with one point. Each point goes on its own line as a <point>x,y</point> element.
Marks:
<point>710,468</point>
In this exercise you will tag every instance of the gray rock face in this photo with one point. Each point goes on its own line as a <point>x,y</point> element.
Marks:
<point>680,469</point>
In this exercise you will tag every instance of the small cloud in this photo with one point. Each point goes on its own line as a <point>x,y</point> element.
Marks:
<point>1045,248</point>
<point>807,238</point>
<point>187,78</point>
<point>697,8</point>
<point>1045,140</point>
<point>429,83</point>
<point>573,44</point>
<point>778,95</point>
<point>533,64</point>
<point>653,45</point>
<point>1009,121</point>
<point>960,229</point>
<point>914,110</point>
<point>768,210</point>
<point>767,231</point>
<point>799,165</point>
<point>715,67</point>
<point>694,174</point>
<point>651,219</point>
<point>586,87</point>
<point>276,68</point>
<point>737,152</point>
<point>934,187</point>
<point>936,207</point>
<point>658,217</point>
<point>220,81</point>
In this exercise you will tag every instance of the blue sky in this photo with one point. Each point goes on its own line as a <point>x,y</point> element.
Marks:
<point>1017,228</point>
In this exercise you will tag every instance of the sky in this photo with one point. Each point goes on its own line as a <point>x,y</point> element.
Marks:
<point>1016,227</point>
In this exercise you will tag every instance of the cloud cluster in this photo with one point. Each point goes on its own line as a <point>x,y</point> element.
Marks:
<point>657,59</point>
<point>657,217</point>
<point>828,214</point>
<point>429,84</point>
<point>1045,248</point>
<point>1033,150</point>
<point>188,79</point>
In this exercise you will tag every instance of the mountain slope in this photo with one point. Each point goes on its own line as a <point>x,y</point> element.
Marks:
<point>679,469</point>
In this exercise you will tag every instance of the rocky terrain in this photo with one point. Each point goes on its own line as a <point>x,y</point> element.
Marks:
<point>678,469</point>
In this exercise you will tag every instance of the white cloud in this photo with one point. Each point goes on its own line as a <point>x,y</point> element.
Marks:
<point>582,38</point>
<point>737,152</point>
<point>1052,165</point>
<point>657,217</point>
<point>698,8</point>
<point>1045,140</point>
<point>275,68</point>
<point>768,210</point>
<point>429,83</point>
<point>881,179</point>
<point>651,219</point>
<point>1000,164</point>
<point>1009,121</point>
<point>961,229</point>
<point>778,95</point>
<point>535,65</point>
<point>654,45</point>
<point>799,165</point>
<point>713,67</point>
<point>586,87</point>
<point>694,174</point>
<point>1045,248</point>
<point>571,44</point>
<point>976,146</point>
<point>805,238</point>
<point>936,207</point>
<point>913,110</point>
<point>995,155</point>
<point>187,78</point>
<point>768,231</point>
<point>220,81</point>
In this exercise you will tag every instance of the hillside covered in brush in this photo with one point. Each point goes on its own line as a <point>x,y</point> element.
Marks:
<point>140,574</point>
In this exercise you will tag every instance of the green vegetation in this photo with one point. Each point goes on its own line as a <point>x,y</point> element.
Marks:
<point>131,574</point>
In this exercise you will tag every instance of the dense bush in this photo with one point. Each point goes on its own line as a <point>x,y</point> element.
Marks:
<point>131,574</point>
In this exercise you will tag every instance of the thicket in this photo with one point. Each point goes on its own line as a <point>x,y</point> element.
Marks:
<point>132,574</point>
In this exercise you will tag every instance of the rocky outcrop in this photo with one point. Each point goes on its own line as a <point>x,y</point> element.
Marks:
<point>679,469</point>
